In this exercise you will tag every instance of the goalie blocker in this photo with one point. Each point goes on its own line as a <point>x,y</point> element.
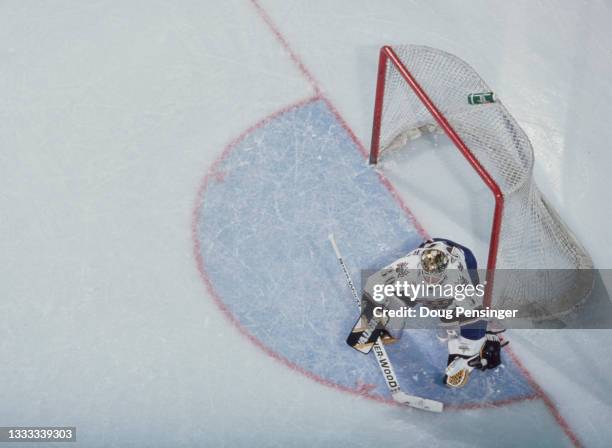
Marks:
<point>368,329</point>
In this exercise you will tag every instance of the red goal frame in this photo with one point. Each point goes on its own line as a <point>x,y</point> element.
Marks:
<point>388,55</point>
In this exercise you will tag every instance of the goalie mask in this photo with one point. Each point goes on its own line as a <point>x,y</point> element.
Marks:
<point>434,262</point>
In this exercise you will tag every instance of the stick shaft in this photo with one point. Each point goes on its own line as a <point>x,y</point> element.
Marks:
<point>383,361</point>
<point>344,268</point>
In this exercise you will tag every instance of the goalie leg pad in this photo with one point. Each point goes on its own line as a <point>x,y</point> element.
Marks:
<point>461,362</point>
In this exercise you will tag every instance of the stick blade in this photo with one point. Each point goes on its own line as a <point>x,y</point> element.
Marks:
<point>418,402</point>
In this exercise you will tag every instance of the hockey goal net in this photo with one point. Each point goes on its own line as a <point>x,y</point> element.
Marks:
<point>422,88</point>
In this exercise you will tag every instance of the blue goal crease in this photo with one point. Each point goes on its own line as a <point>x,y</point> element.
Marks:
<point>262,228</point>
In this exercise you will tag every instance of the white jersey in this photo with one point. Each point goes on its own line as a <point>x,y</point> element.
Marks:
<point>408,269</point>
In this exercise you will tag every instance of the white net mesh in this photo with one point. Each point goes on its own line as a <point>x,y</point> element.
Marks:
<point>532,236</point>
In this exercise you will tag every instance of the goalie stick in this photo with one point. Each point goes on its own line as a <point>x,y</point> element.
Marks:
<point>383,359</point>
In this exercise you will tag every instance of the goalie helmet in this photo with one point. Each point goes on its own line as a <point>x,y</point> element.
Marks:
<point>434,261</point>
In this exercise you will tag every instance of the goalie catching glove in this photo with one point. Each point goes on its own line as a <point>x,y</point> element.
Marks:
<point>466,355</point>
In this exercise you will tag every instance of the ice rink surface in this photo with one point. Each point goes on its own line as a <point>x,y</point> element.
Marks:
<point>114,114</point>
